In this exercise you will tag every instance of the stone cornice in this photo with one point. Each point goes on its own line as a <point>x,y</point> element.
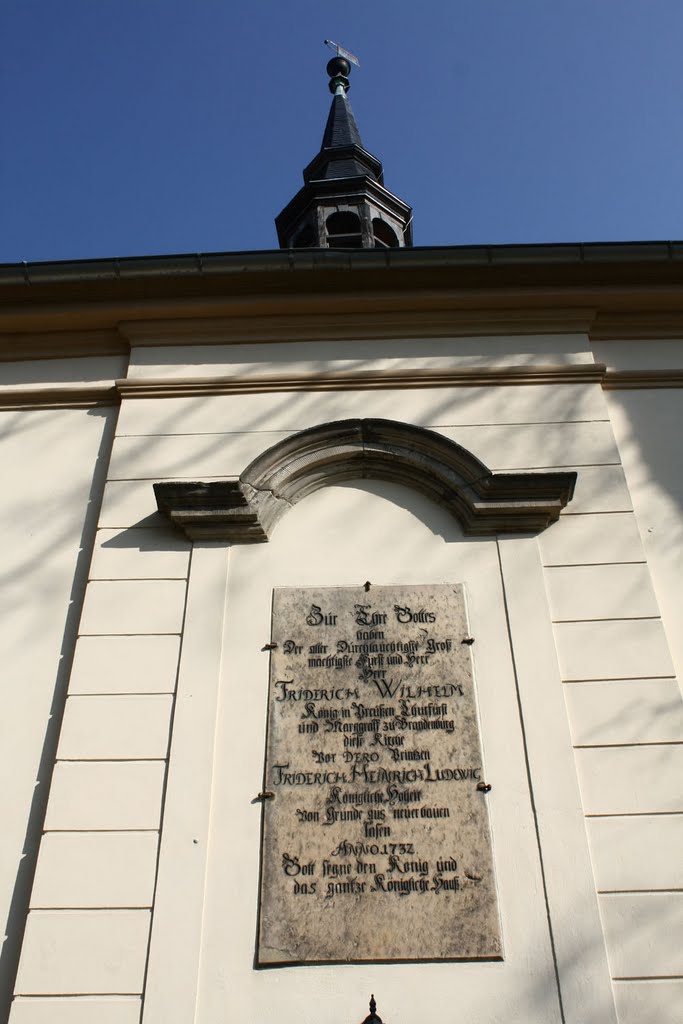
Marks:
<point>642,379</point>
<point>355,380</point>
<point>63,396</point>
<point>83,396</point>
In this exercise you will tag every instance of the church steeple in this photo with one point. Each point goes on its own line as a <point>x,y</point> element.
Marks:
<point>343,203</point>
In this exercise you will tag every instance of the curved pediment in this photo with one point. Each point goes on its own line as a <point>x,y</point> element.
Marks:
<point>247,509</point>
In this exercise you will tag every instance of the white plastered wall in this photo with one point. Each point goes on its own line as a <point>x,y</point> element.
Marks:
<point>52,464</point>
<point>137,596</point>
<point>338,537</point>
<point>648,426</point>
<point>638,850</point>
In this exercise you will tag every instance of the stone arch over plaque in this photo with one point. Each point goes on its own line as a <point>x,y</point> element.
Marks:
<point>247,509</point>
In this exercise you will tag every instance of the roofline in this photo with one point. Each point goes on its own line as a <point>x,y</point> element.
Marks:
<point>608,289</point>
<point>289,260</point>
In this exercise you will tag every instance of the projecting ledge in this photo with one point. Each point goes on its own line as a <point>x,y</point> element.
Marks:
<point>245,510</point>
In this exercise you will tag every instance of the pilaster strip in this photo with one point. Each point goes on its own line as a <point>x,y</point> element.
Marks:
<point>175,946</point>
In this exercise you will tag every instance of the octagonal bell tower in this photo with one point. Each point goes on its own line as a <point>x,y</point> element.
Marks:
<point>343,203</point>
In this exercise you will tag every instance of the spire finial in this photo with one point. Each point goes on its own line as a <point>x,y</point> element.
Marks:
<point>373,1017</point>
<point>339,68</point>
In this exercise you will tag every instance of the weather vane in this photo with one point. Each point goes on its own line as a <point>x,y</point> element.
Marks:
<point>341,52</point>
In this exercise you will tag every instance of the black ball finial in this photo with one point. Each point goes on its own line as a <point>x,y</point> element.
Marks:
<point>339,68</point>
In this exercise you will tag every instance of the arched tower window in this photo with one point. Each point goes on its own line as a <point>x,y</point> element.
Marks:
<point>344,231</point>
<point>385,238</point>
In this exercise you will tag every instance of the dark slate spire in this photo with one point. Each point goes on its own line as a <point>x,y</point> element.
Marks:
<point>343,203</point>
<point>341,128</point>
<point>341,154</point>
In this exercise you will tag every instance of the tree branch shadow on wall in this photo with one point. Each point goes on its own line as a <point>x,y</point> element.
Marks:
<point>297,410</point>
<point>21,894</point>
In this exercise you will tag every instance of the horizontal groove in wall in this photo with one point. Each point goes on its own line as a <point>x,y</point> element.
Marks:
<point>124,693</point>
<point>647,977</point>
<point>427,426</point>
<point>611,746</point>
<point>132,579</point>
<point>116,636</point>
<point>639,892</point>
<point>557,465</point>
<point>153,479</point>
<point>619,679</point>
<point>99,831</point>
<point>173,633</point>
<point>590,565</point>
<point>647,980</point>
<point>92,996</point>
<point>633,814</point>
<point>107,908</point>
<point>567,510</point>
<point>82,912</point>
<point>614,618</point>
<point>602,512</point>
<point>111,760</point>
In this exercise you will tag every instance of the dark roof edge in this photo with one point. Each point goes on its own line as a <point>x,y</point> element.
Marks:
<point>274,260</point>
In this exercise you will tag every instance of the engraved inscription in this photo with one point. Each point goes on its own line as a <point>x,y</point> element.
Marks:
<point>376,844</point>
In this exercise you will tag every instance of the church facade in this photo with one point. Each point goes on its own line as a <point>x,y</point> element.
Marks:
<point>185,435</point>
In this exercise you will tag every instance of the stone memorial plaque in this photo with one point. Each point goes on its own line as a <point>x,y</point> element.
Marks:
<point>376,839</point>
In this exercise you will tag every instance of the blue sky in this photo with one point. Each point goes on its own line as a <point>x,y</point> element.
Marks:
<point>134,127</point>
